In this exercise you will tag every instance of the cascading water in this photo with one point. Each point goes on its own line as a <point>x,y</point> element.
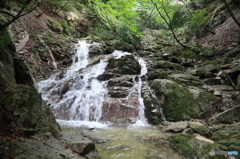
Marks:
<point>76,95</point>
<point>142,120</point>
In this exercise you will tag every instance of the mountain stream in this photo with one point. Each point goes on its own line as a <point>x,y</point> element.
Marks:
<point>76,97</point>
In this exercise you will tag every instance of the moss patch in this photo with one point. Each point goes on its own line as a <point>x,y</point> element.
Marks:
<point>193,148</point>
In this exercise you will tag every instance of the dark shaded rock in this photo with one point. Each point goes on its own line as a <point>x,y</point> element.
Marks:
<point>4,148</point>
<point>206,70</point>
<point>109,49</point>
<point>175,59</point>
<point>234,73</point>
<point>96,49</point>
<point>67,62</point>
<point>23,111</point>
<point>105,76</point>
<point>187,62</point>
<point>227,117</point>
<point>22,74</point>
<point>6,65</point>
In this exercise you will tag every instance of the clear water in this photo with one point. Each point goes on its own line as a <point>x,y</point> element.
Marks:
<point>129,142</point>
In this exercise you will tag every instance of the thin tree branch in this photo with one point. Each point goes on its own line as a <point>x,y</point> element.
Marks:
<point>7,13</point>
<point>169,24</point>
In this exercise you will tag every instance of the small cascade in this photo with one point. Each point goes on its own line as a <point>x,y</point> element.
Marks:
<point>76,94</point>
<point>142,120</point>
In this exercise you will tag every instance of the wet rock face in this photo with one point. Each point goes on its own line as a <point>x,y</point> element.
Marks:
<point>122,105</point>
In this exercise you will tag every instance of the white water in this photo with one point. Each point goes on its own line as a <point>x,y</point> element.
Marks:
<point>76,94</point>
<point>142,120</point>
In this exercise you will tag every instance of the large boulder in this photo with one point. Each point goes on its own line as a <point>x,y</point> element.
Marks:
<point>96,49</point>
<point>182,103</point>
<point>198,128</point>
<point>227,117</point>
<point>24,112</point>
<point>124,65</point>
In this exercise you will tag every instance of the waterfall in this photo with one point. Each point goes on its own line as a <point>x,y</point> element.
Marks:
<point>76,95</point>
<point>142,120</point>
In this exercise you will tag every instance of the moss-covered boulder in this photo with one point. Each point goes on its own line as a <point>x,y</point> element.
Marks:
<point>207,70</point>
<point>186,79</point>
<point>24,112</point>
<point>227,137</point>
<point>198,128</point>
<point>124,65</point>
<point>193,148</point>
<point>227,117</point>
<point>182,103</point>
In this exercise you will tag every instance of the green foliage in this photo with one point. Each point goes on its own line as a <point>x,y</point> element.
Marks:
<point>119,17</point>
<point>199,19</point>
<point>179,19</point>
<point>60,26</point>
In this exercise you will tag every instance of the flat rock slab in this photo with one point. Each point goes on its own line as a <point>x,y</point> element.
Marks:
<point>177,126</point>
<point>78,143</point>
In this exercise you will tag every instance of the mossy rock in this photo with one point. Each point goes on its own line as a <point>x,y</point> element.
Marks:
<point>167,64</point>
<point>193,148</point>
<point>234,52</point>
<point>207,70</point>
<point>125,65</point>
<point>228,137</point>
<point>186,79</point>
<point>157,74</point>
<point>227,117</point>
<point>182,103</point>
<point>23,111</point>
<point>199,128</point>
